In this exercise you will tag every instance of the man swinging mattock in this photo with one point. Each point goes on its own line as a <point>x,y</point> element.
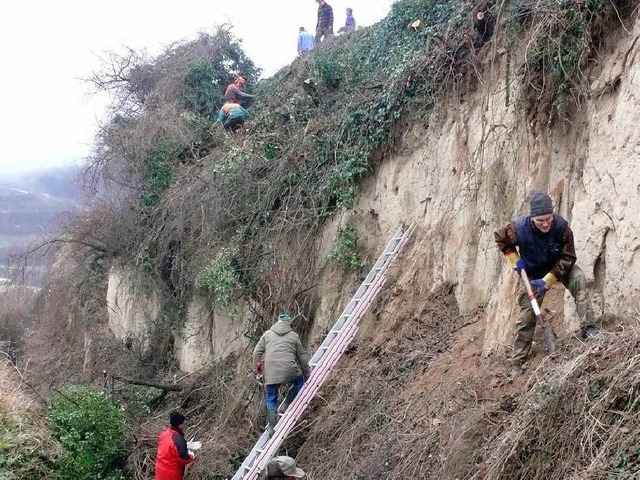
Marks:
<point>541,243</point>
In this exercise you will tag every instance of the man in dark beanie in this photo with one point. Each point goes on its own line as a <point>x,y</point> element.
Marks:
<point>541,243</point>
<point>173,455</point>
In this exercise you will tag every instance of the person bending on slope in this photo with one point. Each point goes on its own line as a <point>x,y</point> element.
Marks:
<point>541,243</point>
<point>285,361</point>
<point>232,116</point>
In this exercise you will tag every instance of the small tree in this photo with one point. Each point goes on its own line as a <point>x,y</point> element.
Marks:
<point>91,431</point>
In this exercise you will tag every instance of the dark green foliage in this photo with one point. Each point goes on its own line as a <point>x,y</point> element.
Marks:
<point>343,182</point>
<point>91,431</point>
<point>201,96</point>
<point>328,69</point>
<point>220,278</point>
<point>345,253</point>
<point>160,174</point>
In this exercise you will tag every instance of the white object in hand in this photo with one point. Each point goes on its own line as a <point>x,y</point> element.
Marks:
<point>194,446</point>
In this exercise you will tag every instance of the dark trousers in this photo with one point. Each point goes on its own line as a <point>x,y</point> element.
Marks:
<point>526,324</point>
<point>233,124</point>
<point>325,32</point>
<point>271,397</point>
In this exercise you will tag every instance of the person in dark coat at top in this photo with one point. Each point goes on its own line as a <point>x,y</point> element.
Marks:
<point>324,27</point>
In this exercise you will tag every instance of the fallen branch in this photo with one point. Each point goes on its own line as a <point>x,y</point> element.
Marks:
<point>144,383</point>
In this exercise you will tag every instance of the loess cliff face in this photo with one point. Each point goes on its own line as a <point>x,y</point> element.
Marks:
<point>470,167</point>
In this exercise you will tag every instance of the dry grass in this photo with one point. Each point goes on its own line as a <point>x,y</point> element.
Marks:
<point>580,420</point>
<point>27,448</point>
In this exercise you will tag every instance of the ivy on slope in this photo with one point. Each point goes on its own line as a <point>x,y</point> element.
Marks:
<point>319,126</point>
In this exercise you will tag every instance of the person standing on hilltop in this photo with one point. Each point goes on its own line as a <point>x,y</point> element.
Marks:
<point>541,243</point>
<point>324,27</point>
<point>235,91</point>
<point>285,361</point>
<point>306,41</point>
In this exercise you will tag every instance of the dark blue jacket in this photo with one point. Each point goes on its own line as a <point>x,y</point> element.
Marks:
<point>540,250</point>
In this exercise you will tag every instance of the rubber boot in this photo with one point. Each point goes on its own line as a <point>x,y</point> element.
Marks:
<point>272,419</point>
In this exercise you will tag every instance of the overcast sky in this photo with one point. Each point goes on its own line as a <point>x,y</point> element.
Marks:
<point>49,116</point>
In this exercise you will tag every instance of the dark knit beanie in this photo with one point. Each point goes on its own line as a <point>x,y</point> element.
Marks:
<point>176,418</point>
<point>540,204</point>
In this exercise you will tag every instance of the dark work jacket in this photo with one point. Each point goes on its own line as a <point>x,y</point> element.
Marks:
<point>325,16</point>
<point>540,250</point>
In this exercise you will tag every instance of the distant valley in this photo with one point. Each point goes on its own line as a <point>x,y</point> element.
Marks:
<point>31,206</point>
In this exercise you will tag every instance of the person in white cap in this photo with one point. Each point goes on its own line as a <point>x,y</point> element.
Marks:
<point>285,361</point>
<point>283,468</point>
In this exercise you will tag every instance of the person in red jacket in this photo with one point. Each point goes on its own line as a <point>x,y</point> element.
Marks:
<point>173,455</point>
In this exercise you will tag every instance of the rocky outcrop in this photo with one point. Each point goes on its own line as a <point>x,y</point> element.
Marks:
<point>209,334</point>
<point>206,334</point>
<point>132,310</point>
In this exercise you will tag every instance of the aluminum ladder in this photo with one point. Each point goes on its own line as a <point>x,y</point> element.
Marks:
<point>326,357</point>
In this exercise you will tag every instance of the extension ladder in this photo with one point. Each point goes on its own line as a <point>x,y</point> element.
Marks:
<point>325,358</point>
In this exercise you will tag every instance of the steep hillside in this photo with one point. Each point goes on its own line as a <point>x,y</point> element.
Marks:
<point>205,235</point>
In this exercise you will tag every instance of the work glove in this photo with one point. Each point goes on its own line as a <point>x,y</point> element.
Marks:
<point>520,264</point>
<point>540,286</point>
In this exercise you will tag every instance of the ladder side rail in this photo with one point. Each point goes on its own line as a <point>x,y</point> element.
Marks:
<point>248,461</point>
<point>300,403</point>
<point>345,319</point>
<point>393,248</point>
<point>383,262</point>
<point>332,336</point>
<point>348,311</point>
